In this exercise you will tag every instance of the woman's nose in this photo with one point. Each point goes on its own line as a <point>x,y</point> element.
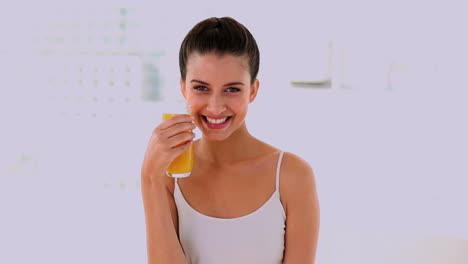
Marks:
<point>216,105</point>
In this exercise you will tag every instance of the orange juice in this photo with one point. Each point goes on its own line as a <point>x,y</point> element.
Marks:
<point>182,166</point>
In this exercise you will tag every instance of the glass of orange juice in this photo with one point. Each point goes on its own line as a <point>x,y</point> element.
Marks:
<point>182,166</point>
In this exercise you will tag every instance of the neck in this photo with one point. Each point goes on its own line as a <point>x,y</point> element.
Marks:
<point>226,152</point>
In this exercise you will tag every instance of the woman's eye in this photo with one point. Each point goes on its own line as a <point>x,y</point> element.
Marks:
<point>203,88</point>
<point>200,88</point>
<point>233,89</point>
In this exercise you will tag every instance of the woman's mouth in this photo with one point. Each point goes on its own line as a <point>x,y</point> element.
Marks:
<point>216,122</point>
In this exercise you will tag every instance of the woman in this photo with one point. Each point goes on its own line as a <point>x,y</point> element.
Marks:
<point>245,201</point>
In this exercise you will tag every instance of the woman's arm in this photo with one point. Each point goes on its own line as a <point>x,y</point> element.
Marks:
<point>163,246</point>
<point>168,140</point>
<point>300,198</point>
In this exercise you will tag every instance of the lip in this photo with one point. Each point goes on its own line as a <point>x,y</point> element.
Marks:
<point>216,117</point>
<point>216,126</point>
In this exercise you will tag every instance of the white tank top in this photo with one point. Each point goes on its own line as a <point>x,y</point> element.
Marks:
<point>256,238</point>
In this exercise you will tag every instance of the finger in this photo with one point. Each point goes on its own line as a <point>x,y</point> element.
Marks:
<point>177,129</point>
<point>182,118</point>
<point>180,149</point>
<point>180,139</point>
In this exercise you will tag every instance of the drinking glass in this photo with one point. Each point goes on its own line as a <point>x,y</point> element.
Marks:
<point>182,166</point>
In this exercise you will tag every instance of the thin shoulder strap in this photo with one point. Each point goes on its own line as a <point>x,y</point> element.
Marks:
<point>278,167</point>
<point>176,185</point>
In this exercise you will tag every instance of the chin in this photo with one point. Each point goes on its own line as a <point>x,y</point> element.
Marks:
<point>217,138</point>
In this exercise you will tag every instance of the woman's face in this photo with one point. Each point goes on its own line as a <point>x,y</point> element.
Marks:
<point>219,92</point>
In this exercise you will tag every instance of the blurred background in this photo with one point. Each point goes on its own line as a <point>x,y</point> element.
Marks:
<point>372,94</point>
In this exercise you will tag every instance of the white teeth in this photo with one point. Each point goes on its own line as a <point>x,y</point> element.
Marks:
<point>216,121</point>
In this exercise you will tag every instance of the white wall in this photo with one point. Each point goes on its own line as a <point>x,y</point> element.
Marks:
<point>389,154</point>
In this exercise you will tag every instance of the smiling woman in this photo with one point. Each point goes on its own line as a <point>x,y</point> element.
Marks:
<point>218,94</point>
<point>214,122</point>
<point>245,200</point>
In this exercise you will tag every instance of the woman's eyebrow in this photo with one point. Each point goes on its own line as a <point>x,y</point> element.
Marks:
<point>202,82</point>
<point>227,84</point>
<point>233,83</point>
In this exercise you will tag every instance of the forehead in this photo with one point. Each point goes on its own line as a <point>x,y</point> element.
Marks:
<point>218,65</point>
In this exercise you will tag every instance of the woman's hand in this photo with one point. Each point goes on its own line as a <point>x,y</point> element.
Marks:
<point>170,139</point>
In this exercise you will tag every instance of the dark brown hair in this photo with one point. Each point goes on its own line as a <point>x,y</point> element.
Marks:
<point>222,36</point>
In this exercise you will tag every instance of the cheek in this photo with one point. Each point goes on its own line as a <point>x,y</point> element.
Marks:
<point>239,106</point>
<point>195,101</point>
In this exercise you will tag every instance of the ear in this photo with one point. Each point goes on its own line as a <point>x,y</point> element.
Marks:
<point>253,90</point>
<point>182,88</point>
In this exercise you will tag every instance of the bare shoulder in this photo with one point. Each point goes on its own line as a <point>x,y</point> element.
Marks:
<point>297,180</point>
<point>300,201</point>
<point>296,170</point>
